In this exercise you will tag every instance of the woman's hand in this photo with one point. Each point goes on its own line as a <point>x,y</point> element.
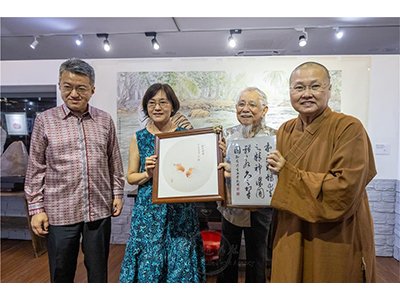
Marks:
<point>276,162</point>
<point>150,164</point>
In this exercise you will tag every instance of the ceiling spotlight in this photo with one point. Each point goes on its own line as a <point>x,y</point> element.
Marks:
<point>303,39</point>
<point>231,40</point>
<point>339,33</point>
<point>79,40</point>
<point>154,41</point>
<point>155,44</point>
<point>34,43</point>
<point>106,43</point>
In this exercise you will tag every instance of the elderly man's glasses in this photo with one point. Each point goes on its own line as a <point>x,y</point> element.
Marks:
<point>316,87</point>
<point>251,104</point>
<point>163,104</point>
<point>81,90</point>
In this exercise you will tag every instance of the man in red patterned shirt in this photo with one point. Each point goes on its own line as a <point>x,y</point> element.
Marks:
<point>74,182</point>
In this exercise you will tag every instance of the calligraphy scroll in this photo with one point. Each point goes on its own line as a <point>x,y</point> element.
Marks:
<point>252,183</point>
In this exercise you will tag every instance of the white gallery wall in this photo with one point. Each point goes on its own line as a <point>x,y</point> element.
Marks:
<point>370,87</point>
<point>384,113</point>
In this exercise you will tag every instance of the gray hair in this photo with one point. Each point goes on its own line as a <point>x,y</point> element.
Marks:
<point>261,95</point>
<point>78,67</point>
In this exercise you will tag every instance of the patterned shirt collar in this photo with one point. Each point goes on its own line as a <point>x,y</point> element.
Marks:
<point>67,112</point>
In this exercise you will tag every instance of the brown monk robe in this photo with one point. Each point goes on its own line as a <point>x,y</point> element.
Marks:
<point>325,230</point>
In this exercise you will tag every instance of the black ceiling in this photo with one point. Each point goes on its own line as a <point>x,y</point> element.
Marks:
<point>195,37</point>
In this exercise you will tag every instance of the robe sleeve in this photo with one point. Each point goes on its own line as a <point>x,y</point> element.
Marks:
<point>336,194</point>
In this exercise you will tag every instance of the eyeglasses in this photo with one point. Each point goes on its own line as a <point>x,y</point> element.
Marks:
<point>81,90</point>
<point>163,104</point>
<point>252,105</point>
<point>316,87</point>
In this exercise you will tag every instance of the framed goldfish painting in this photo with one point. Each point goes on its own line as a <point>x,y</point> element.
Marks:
<point>186,170</point>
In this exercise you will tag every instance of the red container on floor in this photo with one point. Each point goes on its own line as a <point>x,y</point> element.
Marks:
<point>211,244</point>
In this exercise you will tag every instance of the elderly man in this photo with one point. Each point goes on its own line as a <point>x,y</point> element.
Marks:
<point>324,159</point>
<point>75,179</point>
<point>251,108</point>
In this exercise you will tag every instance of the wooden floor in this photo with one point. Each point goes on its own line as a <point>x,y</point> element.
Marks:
<point>19,265</point>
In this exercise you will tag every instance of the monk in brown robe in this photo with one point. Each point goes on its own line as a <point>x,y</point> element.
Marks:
<point>324,231</point>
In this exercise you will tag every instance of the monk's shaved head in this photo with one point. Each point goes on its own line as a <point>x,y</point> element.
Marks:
<point>311,64</point>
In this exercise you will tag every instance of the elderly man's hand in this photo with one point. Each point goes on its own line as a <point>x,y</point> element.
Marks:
<point>227,167</point>
<point>276,162</point>
<point>222,146</point>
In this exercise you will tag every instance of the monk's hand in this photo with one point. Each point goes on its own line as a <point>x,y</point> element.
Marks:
<point>150,164</point>
<point>222,146</point>
<point>227,167</point>
<point>40,224</point>
<point>276,162</point>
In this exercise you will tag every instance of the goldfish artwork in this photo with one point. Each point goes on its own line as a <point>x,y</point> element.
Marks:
<point>189,172</point>
<point>181,168</point>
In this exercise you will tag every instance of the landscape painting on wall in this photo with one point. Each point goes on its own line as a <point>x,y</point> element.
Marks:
<point>207,98</point>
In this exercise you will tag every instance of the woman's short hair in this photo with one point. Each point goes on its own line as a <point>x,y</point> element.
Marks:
<point>79,67</point>
<point>153,90</point>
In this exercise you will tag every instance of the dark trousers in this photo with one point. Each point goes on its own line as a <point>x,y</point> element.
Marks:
<point>63,248</point>
<point>256,248</point>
